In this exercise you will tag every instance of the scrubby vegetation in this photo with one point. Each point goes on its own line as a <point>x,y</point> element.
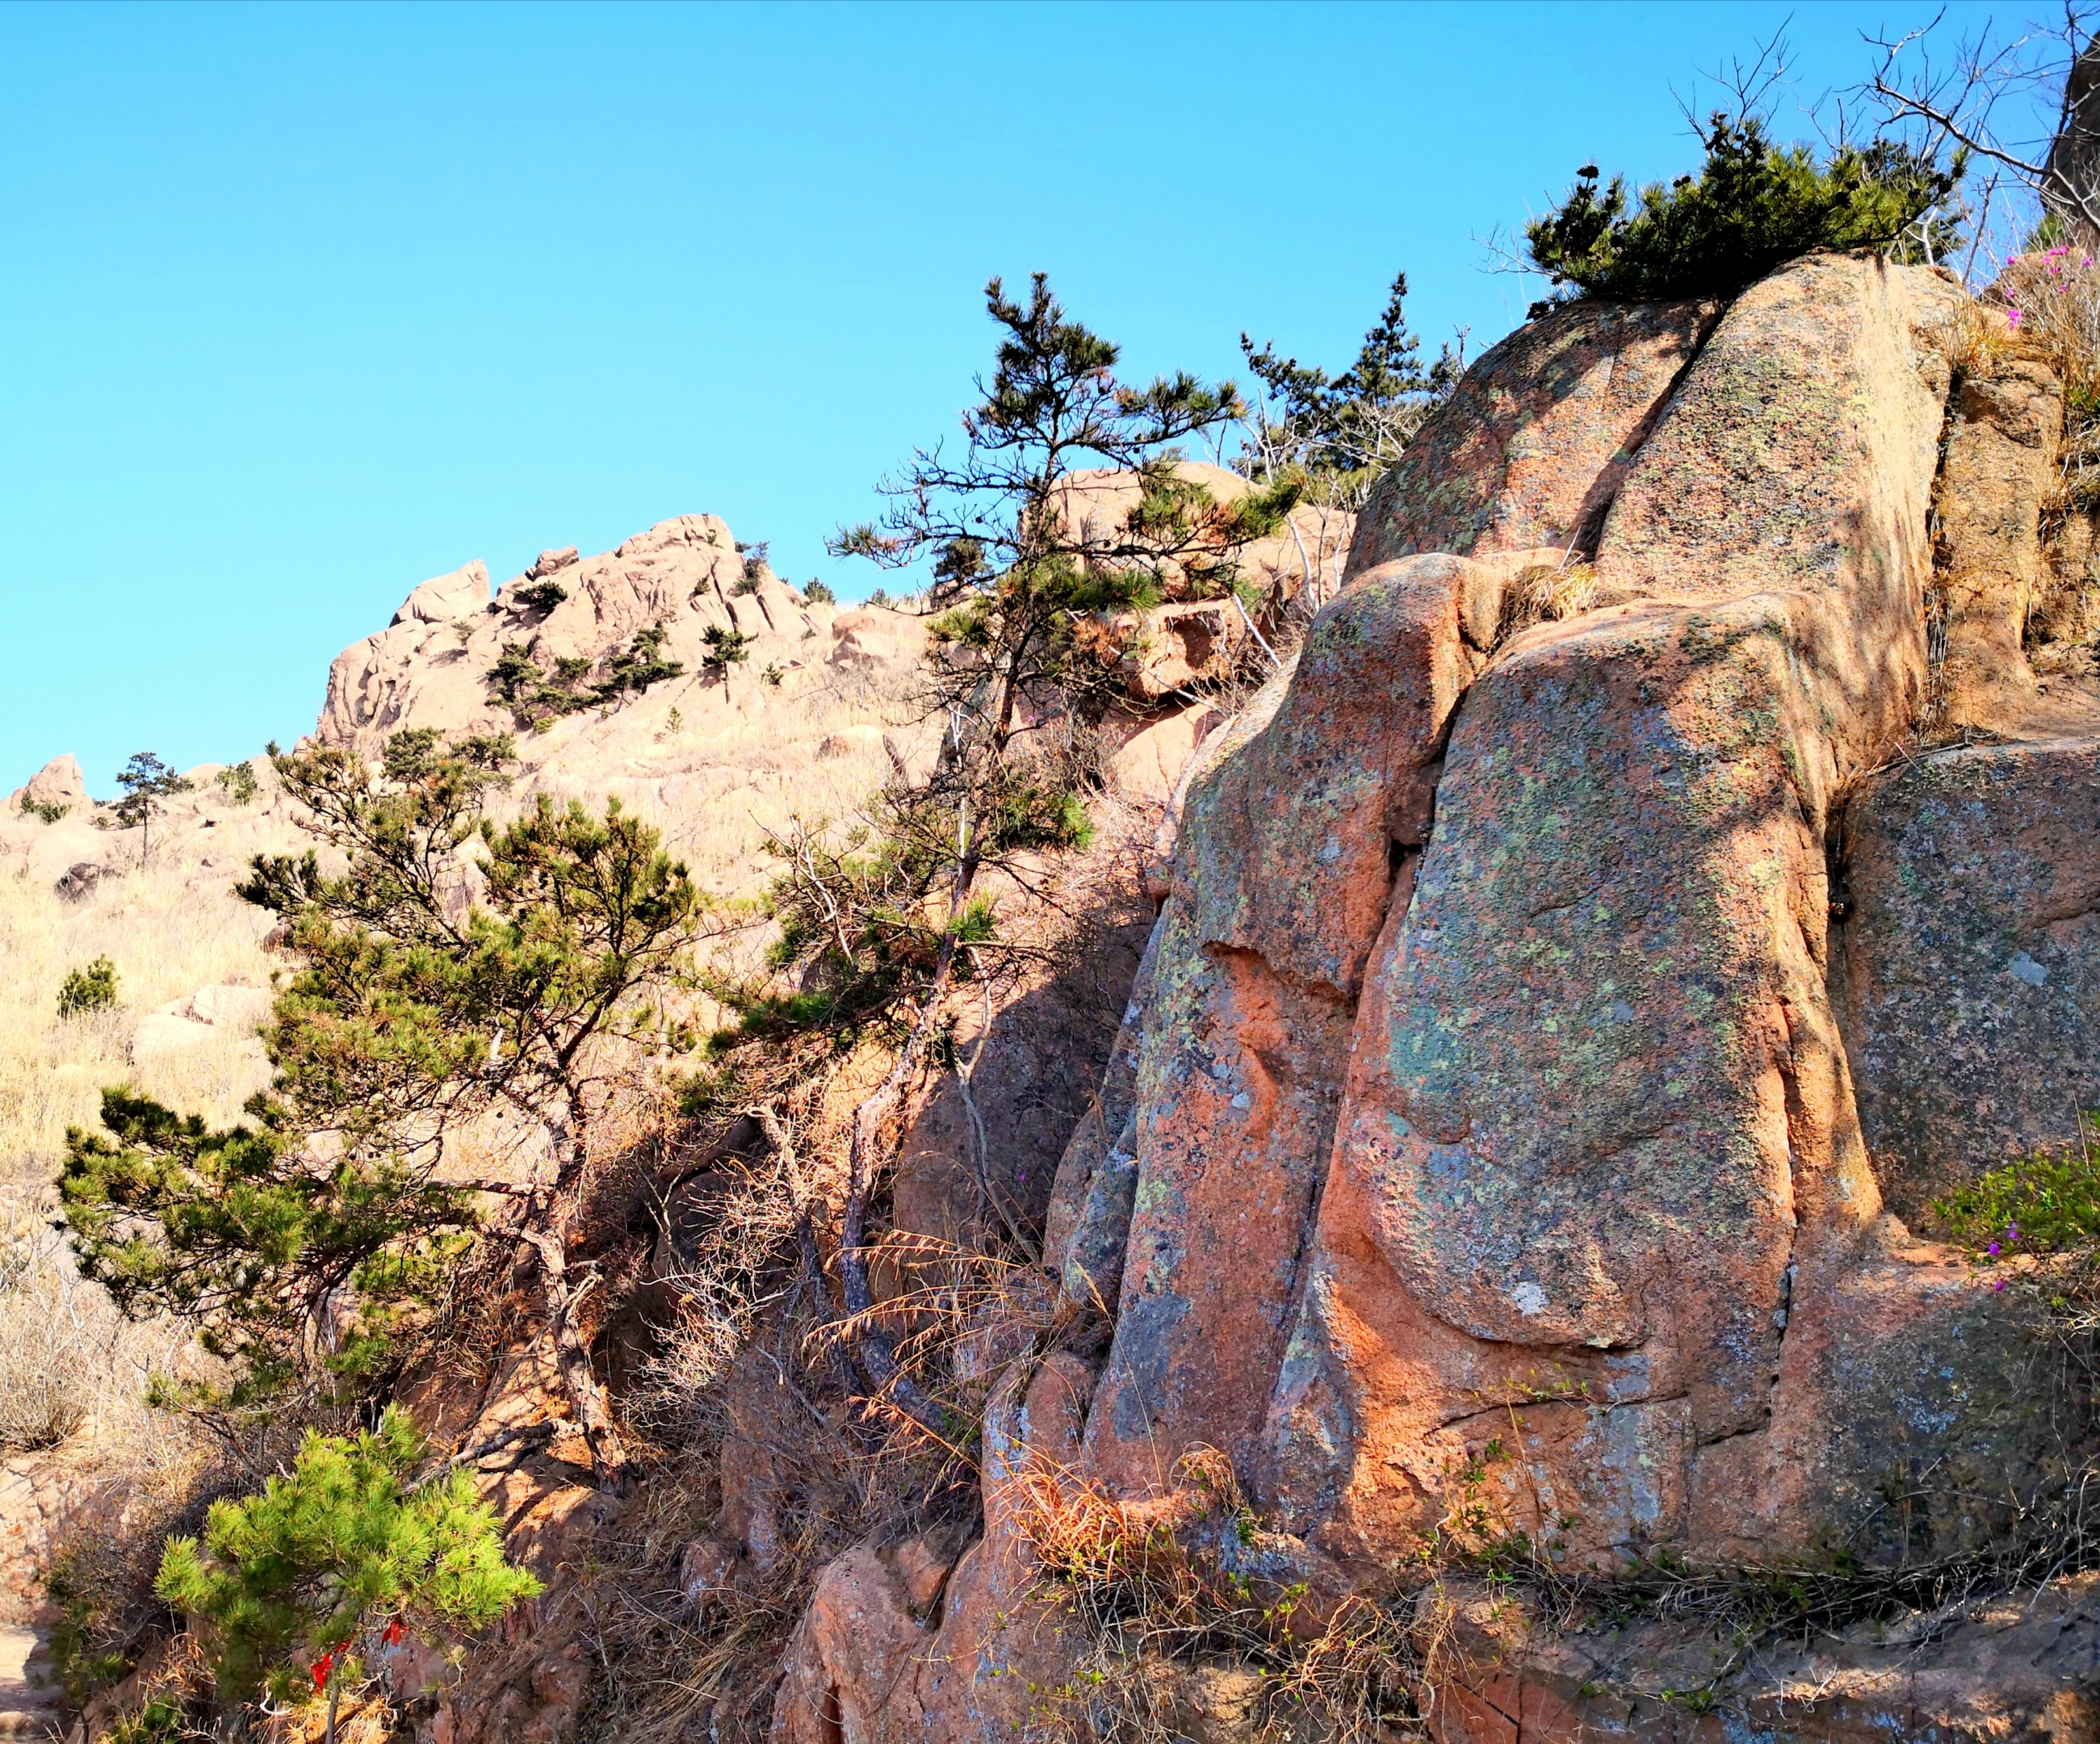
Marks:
<point>536,694</point>
<point>50,810</point>
<point>1753,206</point>
<point>237,782</point>
<point>91,988</point>
<point>540,596</point>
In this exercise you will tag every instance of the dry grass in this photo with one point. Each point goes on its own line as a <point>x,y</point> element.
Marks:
<point>1186,1629</point>
<point>1546,594</point>
<point>169,931</point>
<point>65,1356</point>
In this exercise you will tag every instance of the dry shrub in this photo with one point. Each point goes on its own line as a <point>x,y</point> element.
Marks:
<point>1546,594</point>
<point>1180,1613</point>
<point>69,1361</point>
<point>2051,301</point>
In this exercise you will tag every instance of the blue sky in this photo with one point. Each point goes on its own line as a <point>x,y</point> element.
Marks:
<point>301,305</point>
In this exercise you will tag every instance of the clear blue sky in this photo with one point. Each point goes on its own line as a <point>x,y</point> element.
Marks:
<point>301,305</point>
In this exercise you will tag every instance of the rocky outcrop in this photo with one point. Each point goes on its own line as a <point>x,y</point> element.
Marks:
<point>58,782</point>
<point>1486,1112</point>
<point>1532,446</point>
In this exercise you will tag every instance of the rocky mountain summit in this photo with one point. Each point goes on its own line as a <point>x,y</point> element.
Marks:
<point>1557,1026</point>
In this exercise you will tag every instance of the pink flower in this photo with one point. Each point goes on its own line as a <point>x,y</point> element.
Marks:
<point>2013,319</point>
<point>1998,1283</point>
<point>1992,1250</point>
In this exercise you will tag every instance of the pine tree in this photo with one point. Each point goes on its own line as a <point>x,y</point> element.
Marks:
<point>146,781</point>
<point>409,1016</point>
<point>344,1546</point>
<point>1014,573</point>
<point>1341,433</point>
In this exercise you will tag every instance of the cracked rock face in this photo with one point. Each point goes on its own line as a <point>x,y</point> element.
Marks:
<point>1488,1085</point>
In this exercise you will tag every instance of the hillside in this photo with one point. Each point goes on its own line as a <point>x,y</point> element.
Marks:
<point>1437,1212</point>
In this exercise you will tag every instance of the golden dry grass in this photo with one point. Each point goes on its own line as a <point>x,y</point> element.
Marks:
<point>66,1360</point>
<point>170,931</point>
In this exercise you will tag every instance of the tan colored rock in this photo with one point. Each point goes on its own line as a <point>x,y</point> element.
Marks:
<point>1170,647</point>
<point>58,782</point>
<point>1528,454</point>
<point>714,755</point>
<point>1149,762</point>
<point>1999,470</point>
<point>463,594</point>
<point>1969,980</point>
<point>550,563</point>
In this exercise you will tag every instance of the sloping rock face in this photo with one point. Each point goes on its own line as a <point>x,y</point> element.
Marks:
<point>1536,441</point>
<point>1483,1131</point>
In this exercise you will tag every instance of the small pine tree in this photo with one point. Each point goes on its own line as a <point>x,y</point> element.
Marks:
<point>816,593</point>
<point>638,666</point>
<point>726,647</point>
<point>93,988</point>
<point>405,1021</point>
<point>146,781</point>
<point>540,596</point>
<point>344,1546</point>
<point>1754,205</point>
<point>1341,433</point>
<point>238,782</point>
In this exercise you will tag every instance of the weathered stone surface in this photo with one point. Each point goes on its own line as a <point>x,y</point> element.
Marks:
<point>1147,764</point>
<point>1531,448</point>
<point>1598,1132</point>
<point>1292,841</point>
<point>2016,1669</point>
<point>1483,1133</point>
<point>2000,468</point>
<point>463,594</point>
<point>1798,458</point>
<point>1969,981</point>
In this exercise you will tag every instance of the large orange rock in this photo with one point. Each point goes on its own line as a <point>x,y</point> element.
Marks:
<point>1598,1142</point>
<point>1483,1140</point>
<point>1287,865</point>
